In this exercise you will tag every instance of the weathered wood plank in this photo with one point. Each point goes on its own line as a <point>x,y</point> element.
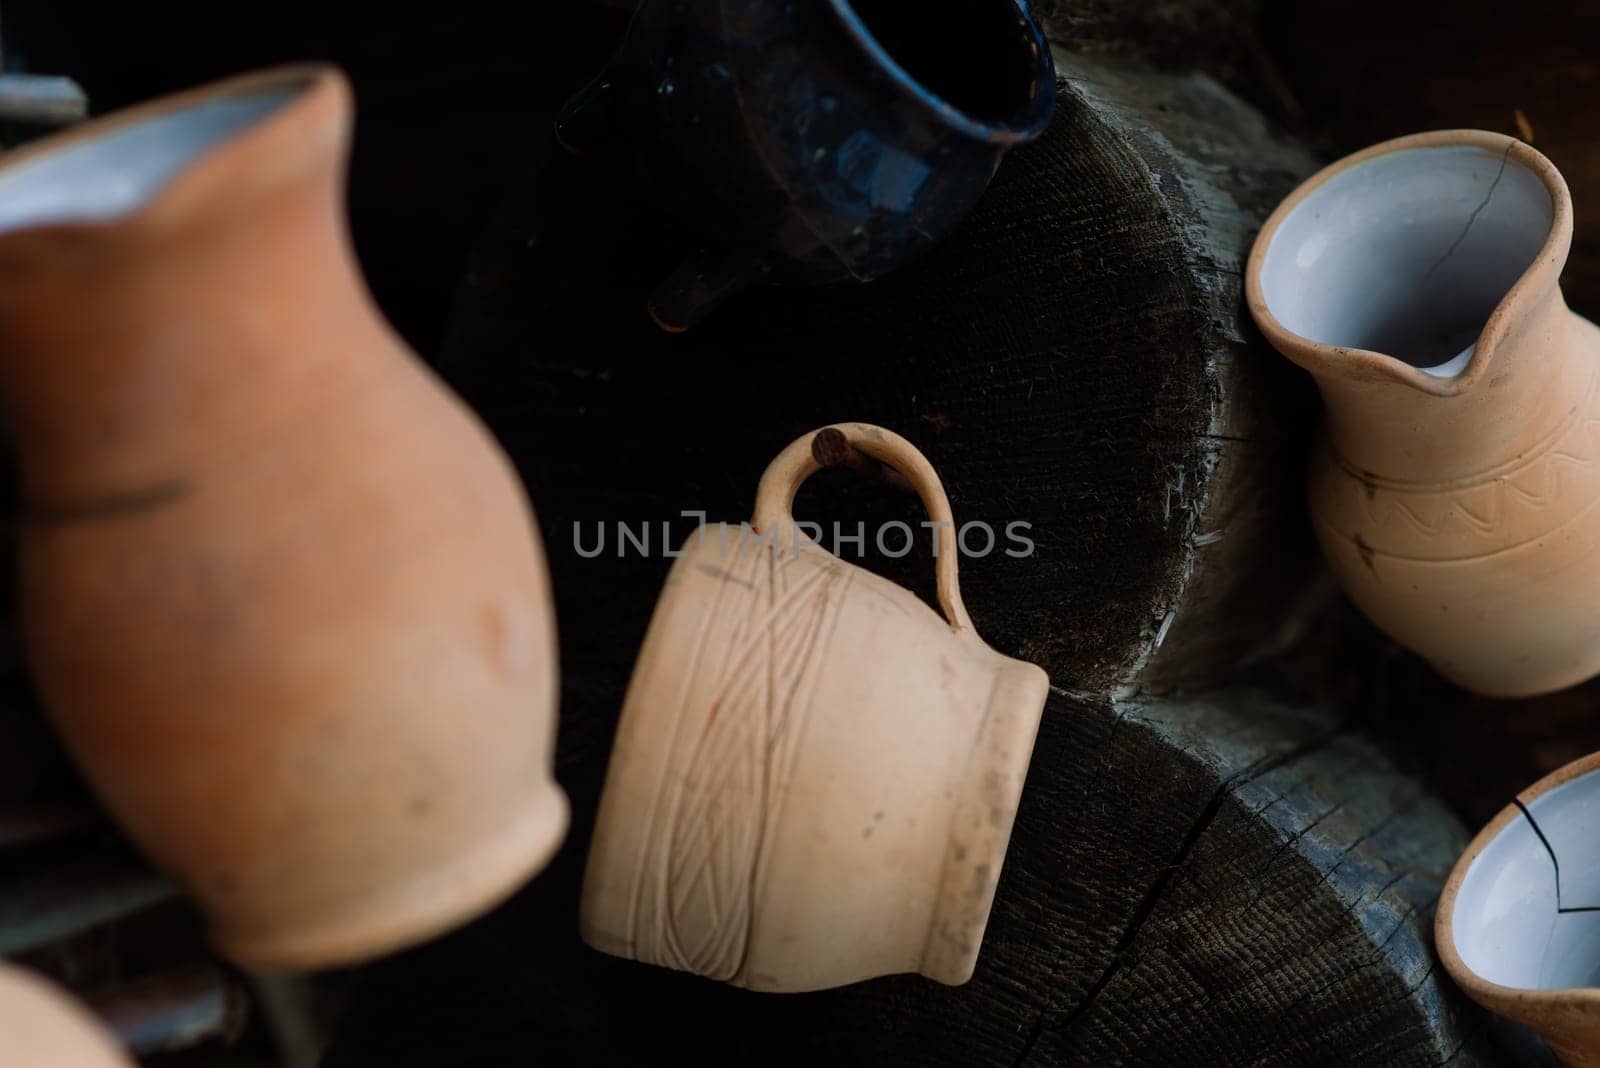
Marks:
<point>1070,359</point>
<point>1136,810</point>
<point>1227,880</point>
<point>1228,875</point>
<point>1295,924</point>
<point>1219,169</point>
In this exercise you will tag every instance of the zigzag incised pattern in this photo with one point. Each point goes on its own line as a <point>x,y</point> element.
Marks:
<point>732,757</point>
<point>1516,504</point>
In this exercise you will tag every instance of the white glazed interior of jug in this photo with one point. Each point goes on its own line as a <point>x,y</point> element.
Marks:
<point>1511,925</point>
<point>1408,254</point>
<point>114,173</point>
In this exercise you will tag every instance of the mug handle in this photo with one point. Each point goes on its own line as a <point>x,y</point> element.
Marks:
<point>785,475</point>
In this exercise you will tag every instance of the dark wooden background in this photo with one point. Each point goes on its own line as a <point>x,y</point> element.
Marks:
<point>455,116</point>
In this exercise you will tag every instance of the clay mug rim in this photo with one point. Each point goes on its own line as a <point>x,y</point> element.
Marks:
<point>257,152</point>
<point>1541,276</point>
<point>1484,991</point>
<point>1029,122</point>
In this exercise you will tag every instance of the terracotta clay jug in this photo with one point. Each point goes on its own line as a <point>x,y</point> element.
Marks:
<point>1518,926</point>
<point>815,775</point>
<point>42,1027</point>
<point>284,597</point>
<point>1455,486</point>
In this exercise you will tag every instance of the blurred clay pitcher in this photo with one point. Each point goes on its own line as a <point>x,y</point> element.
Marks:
<point>284,597</point>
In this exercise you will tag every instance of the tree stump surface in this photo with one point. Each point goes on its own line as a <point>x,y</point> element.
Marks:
<point>1221,872</point>
<point>1219,880</point>
<point>1151,901</point>
<point>1075,358</point>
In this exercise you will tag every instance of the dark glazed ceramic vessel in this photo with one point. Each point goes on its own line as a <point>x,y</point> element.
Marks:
<point>812,140</point>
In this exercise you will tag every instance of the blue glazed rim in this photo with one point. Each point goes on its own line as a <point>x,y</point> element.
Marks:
<point>1028,125</point>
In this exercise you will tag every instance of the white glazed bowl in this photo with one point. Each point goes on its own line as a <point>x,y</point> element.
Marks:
<point>1519,921</point>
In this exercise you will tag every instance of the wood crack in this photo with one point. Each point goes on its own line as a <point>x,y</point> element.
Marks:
<point>1157,891</point>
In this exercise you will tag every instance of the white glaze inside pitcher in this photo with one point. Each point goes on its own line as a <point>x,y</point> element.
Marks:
<point>1510,924</point>
<point>113,174</point>
<point>1408,254</point>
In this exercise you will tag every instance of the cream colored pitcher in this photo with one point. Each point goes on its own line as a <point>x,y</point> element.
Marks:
<point>1456,490</point>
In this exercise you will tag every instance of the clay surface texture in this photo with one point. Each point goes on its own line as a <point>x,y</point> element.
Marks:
<point>1519,922</point>
<point>43,1027</point>
<point>1455,486</point>
<point>815,776</point>
<point>283,596</point>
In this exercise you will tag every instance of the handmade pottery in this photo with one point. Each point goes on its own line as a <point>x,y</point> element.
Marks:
<point>1518,926</point>
<point>283,595</point>
<point>815,775</point>
<point>1455,486</point>
<point>813,142</point>
<point>42,1027</point>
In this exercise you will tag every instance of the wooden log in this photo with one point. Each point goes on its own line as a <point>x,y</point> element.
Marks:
<point>1074,359</point>
<point>1228,876</point>
<point>476,96</point>
<point>45,905</point>
<point>1246,560</point>
<point>174,1011</point>
<point>1218,37</point>
<point>1288,924</point>
<point>1227,880</point>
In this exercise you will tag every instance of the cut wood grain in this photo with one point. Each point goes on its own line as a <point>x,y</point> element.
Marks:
<point>1202,875</point>
<point>1233,880</point>
<point>1074,359</point>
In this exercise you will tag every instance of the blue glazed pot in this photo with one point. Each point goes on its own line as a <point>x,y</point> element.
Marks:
<point>813,140</point>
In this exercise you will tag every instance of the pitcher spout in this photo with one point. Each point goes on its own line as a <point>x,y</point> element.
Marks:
<point>132,247</point>
<point>1412,277</point>
<point>1455,485</point>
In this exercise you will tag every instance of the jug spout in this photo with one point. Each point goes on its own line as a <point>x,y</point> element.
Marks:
<point>1418,283</point>
<point>1455,484</point>
<point>325,710</point>
<point>1415,426</point>
<point>133,251</point>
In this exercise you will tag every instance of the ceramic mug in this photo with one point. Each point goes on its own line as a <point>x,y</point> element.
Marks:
<point>1518,926</point>
<point>815,775</point>
<point>813,142</point>
<point>41,1026</point>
